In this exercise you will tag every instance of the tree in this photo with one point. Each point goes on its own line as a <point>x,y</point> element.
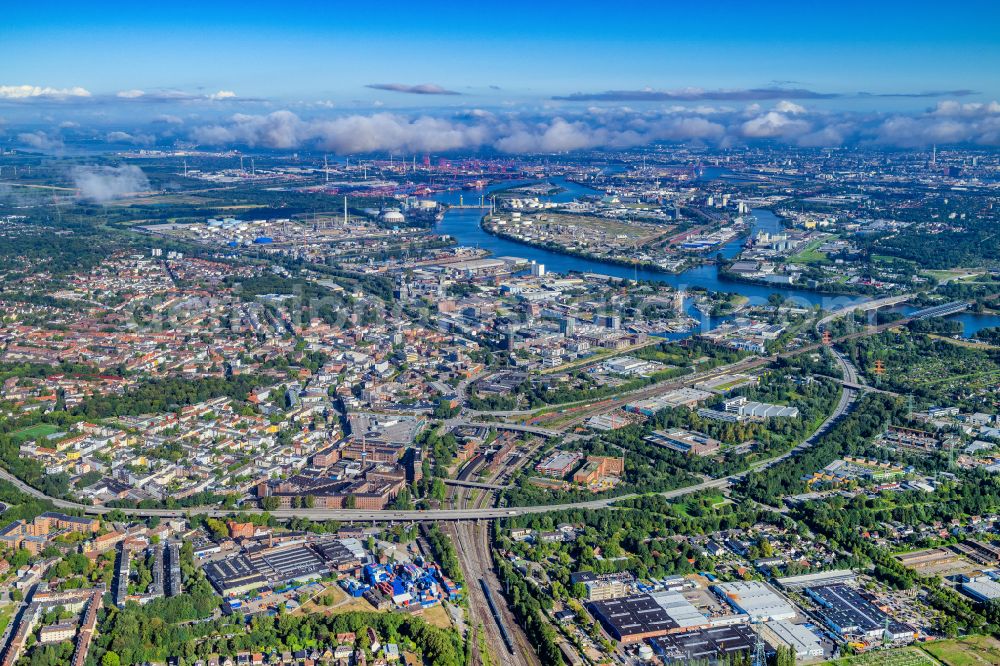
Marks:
<point>111,659</point>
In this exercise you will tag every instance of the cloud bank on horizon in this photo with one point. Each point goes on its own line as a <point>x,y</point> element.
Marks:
<point>721,118</point>
<point>740,95</point>
<point>562,130</point>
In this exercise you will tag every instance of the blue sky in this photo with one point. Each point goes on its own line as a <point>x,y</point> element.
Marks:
<point>529,50</point>
<point>516,76</point>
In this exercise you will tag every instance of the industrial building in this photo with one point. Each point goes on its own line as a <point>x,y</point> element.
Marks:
<point>817,579</point>
<point>705,645</point>
<point>385,430</point>
<point>648,615</point>
<point>559,464</point>
<point>758,410</point>
<point>798,637</point>
<point>684,441</point>
<point>846,612</point>
<point>982,588</point>
<point>632,619</point>
<point>265,566</point>
<point>601,587</point>
<point>296,563</point>
<point>756,600</point>
<point>339,557</point>
<point>680,610</point>
<point>682,397</point>
<point>234,576</point>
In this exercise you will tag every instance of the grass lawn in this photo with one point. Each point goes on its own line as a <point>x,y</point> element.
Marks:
<point>723,388</point>
<point>906,656</point>
<point>969,651</point>
<point>437,616</point>
<point>341,602</point>
<point>713,500</point>
<point>953,274</point>
<point>963,343</point>
<point>6,612</point>
<point>810,253</point>
<point>34,432</point>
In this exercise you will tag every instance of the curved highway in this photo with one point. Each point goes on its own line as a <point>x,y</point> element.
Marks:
<point>846,400</point>
<point>365,515</point>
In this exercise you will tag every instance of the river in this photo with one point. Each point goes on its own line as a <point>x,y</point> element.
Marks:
<point>463,225</point>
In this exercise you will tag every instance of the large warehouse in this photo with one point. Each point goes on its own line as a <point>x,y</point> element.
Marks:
<point>261,567</point>
<point>644,616</point>
<point>755,599</point>
<point>798,637</point>
<point>705,645</point>
<point>846,612</point>
<point>234,576</point>
<point>632,619</point>
<point>982,588</point>
<point>286,564</point>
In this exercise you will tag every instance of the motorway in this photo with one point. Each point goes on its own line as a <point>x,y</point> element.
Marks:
<point>850,382</point>
<point>492,513</point>
<point>469,527</point>
<point>866,306</point>
<point>471,514</point>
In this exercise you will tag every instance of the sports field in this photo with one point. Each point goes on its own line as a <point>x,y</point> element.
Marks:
<point>34,432</point>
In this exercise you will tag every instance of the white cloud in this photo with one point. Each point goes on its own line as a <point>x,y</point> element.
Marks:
<point>125,137</point>
<point>784,106</point>
<point>27,92</point>
<point>348,134</point>
<point>100,184</point>
<point>167,96</point>
<point>772,125</point>
<point>168,119</point>
<point>608,127</point>
<point>41,141</point>
<point>949,122</point>
<point>953,108</point>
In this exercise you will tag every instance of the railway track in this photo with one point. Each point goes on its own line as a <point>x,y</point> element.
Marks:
<point>610,404</point>
<point>504,639</point>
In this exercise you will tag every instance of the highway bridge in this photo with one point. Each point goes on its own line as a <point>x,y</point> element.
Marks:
<point>865,306</point>
<point>856,385</point>
<point>512,427</point>
<point>942,310</point>
<point>462,483</point>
